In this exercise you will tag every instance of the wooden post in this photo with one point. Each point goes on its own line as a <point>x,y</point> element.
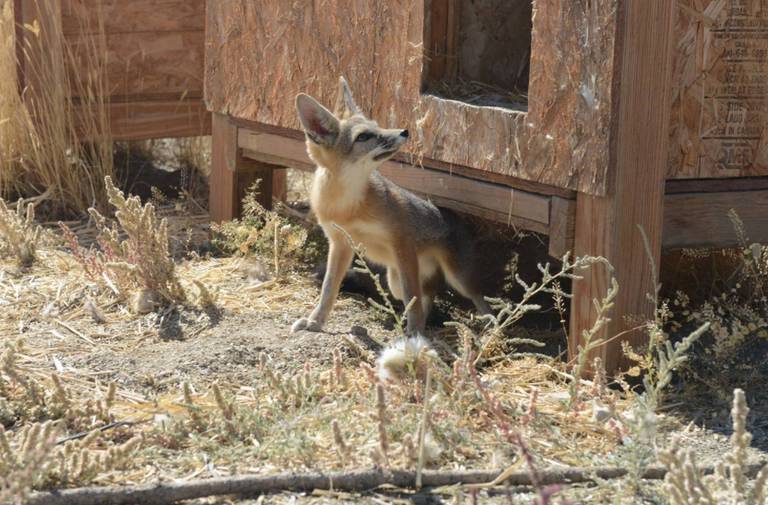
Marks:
<point>608,226</point>
<point>280,184</point>
<point>252,171</point>
<point>222,201</point>
<point>232,175</point>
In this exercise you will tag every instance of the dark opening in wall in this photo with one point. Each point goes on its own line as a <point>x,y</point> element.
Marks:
<point>479,51</point>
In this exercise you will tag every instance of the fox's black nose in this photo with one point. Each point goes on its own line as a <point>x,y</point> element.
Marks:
<point>404,134</point>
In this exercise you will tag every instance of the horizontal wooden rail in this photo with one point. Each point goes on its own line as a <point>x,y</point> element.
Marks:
<point>691,219</point>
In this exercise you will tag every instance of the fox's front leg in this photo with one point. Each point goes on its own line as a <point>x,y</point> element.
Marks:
<point>408,265</point>
<point>339,259</point>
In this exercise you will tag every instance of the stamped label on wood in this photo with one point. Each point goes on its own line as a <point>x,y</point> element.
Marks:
<point>721,95</point>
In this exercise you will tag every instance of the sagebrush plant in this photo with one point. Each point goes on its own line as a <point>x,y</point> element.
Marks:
<point>264,233</point>
<point>20,236</point>
<point>685,484</point>
<point>135,257</point>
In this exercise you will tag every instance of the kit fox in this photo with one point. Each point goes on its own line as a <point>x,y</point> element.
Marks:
<point>419,244</point>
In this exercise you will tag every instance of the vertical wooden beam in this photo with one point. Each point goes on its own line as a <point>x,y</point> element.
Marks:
<point>608,226</point>
<point>223,202</point>
<point>562,218</point>
<point>251,172</point>
<point>280,184</point>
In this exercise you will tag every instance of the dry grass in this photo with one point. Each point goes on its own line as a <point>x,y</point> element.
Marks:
<point>335,416</point>
<point>66,100</point>
<point>19,234</point>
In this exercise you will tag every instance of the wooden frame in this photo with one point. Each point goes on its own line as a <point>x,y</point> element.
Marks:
<point>695,211</point>
<point>154,59</point>
<point>587,164</point>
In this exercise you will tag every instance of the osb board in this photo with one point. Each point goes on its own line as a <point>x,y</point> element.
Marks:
<point>259,54</point>
<point>132,16</point>
<point>720,106</point>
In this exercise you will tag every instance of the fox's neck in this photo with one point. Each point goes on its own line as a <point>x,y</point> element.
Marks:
<point>336,194</point>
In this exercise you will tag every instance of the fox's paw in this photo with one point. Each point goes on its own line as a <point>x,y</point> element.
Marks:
<point>306,324</point>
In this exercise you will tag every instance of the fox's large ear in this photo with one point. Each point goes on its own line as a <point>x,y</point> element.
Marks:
<point>319,124</point>
<point>345,104</point>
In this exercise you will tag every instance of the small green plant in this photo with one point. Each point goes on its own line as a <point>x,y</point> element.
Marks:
<point>265,234</point>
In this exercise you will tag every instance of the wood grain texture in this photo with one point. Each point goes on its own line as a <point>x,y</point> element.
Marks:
<point>132,16</point>
<point>720,106</point>
<point>222,202</point>
<point>149,63</point>
<point>159,119</point>
<point>153,59</point>
<point>491,201</point>
<point>259,54</point>
<point>701,219</point>
<point>608,226</point>
<point>562,226</point>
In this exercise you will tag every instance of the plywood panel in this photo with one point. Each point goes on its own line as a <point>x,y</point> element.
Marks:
<point>161,63</point>
<point>261,53</point>
<point>701,219</point>
<point>132,16</point>
<point>159,119</point>
<point>720,107</point>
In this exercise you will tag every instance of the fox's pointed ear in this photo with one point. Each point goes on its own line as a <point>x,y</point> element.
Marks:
<point>345,104</point>
<point>319,124</point>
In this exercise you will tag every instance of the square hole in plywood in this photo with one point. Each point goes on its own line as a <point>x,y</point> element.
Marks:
<point>478,51</point>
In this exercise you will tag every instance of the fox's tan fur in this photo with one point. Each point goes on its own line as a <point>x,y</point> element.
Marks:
<point>419,244</point>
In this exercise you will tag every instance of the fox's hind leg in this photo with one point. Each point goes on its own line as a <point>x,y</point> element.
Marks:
<point>462,280</point>
<point>395,283</point>
<point>408,270</point>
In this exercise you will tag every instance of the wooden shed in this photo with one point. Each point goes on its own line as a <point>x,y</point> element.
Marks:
<point>153,57</point>
<point>581,120</point>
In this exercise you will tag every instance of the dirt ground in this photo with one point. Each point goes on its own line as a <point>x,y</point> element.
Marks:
<point>149,357</point>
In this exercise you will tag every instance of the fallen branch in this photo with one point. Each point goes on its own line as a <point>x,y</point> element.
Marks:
<point>164,494</point>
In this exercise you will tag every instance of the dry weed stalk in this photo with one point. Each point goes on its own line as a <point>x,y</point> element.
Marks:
<point>19,234</point>
<point>13,114</point>
<point>382,418</point>
<point>686,485</point>
<point>589,343</point>
<point>56,141</point>
<point>493,339</point>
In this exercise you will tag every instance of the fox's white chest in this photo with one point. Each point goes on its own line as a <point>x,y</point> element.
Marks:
<point>333,198</point>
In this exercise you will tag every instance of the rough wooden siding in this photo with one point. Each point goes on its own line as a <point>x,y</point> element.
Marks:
<point>261,53</point>
<point>154,60</point>
<point>720,107</point>
<point>133,16</point>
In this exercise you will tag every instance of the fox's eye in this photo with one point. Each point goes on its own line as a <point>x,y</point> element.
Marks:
<point>364,136</point>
